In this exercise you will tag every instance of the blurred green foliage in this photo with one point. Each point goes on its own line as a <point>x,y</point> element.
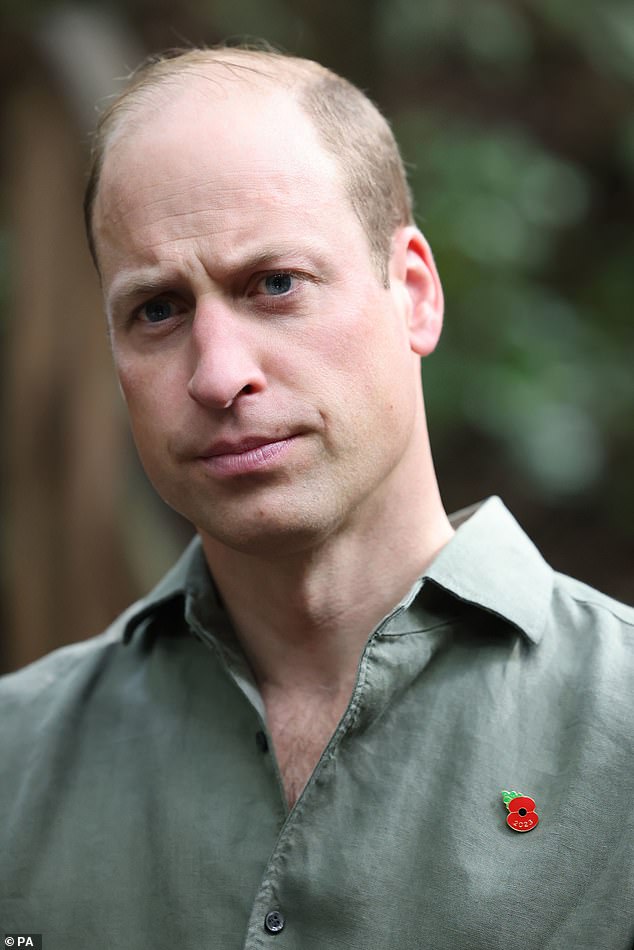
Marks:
<point>524,184</point>
<point>544,367</point>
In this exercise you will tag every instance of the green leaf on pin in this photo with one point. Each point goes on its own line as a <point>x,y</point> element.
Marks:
<point>509,796</point>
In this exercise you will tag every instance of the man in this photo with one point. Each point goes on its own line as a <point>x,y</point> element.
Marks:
<point>333,723</point>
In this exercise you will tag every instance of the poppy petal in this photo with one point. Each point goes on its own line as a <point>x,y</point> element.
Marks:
<point>523,801</point>
<point>522,822</point>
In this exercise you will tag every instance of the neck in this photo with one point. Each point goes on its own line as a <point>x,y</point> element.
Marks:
<point>303,618</point>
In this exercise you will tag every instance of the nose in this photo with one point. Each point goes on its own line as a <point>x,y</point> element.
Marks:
<point>225,364</point>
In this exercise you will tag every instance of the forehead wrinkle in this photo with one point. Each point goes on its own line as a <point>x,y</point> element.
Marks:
<point>213,228</point>
<point>122,206</point>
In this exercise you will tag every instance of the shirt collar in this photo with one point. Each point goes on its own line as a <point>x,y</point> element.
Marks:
<point>173,584</point>
<point>490,563</point>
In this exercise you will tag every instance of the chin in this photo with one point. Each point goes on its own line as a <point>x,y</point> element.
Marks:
<point>267,541</point>
<point>268,534</point>
<point>267,523</point>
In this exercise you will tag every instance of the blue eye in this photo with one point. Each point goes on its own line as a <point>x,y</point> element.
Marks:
<point>276,284</point>
<point>156,311</point>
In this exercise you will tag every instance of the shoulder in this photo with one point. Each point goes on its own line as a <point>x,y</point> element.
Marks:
<point>587,658</point>
<point>47,691</point>
<point>588,608</point>
<point>50,673</point>
<point>71,668</point>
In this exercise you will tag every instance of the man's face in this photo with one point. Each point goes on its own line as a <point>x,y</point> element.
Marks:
<point>272,389</point>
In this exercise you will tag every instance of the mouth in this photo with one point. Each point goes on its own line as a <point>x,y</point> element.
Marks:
<point>246,456</point>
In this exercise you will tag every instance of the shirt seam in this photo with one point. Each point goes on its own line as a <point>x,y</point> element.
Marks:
<point>601,606</point>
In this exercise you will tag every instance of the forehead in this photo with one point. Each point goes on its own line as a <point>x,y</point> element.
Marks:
<point>225,109</point>
<point>210,150</point>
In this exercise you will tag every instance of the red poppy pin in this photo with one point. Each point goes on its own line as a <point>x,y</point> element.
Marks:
<point>521,811</point>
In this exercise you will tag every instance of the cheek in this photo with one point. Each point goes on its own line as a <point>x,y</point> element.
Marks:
<point>352,343</point>
<point>136,391</point>
<point>147,383</point>
<point>365,379</point>
<point>149,401</point>
<point>377,364</point>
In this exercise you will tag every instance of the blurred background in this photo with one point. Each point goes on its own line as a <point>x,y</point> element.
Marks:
<point>516,120</point>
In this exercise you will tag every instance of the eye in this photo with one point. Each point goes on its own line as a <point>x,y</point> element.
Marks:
<point>276,285</point>
<point>157,310</point>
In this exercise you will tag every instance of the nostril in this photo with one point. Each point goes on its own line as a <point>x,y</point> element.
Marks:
<point>245,391</point>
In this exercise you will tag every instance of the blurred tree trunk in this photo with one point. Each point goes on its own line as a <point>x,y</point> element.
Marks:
<point>65,442</point>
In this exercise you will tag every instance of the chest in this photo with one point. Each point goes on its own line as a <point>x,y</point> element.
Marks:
<point>301,728</point>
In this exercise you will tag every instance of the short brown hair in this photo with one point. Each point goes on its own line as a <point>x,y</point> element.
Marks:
<point>348,124</point>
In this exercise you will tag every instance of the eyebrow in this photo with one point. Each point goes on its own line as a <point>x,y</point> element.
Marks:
<point>135,285</point>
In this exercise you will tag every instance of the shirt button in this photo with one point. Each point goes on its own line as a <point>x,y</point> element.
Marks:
<point>261,741</point>
<point>274,922</point>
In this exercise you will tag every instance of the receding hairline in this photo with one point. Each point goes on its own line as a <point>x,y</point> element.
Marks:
<point>318,93</point>
<point>142,102</point>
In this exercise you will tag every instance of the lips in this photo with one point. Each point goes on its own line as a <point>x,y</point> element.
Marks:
<point>246,456</point>
<point>240,446</point>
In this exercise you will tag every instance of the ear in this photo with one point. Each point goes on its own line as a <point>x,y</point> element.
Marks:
<point>413,276</point>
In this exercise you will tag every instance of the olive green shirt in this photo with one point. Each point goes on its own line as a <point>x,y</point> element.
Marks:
<point>141,804</point>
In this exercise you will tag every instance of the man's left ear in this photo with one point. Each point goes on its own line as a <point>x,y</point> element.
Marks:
<point>413,273</point>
